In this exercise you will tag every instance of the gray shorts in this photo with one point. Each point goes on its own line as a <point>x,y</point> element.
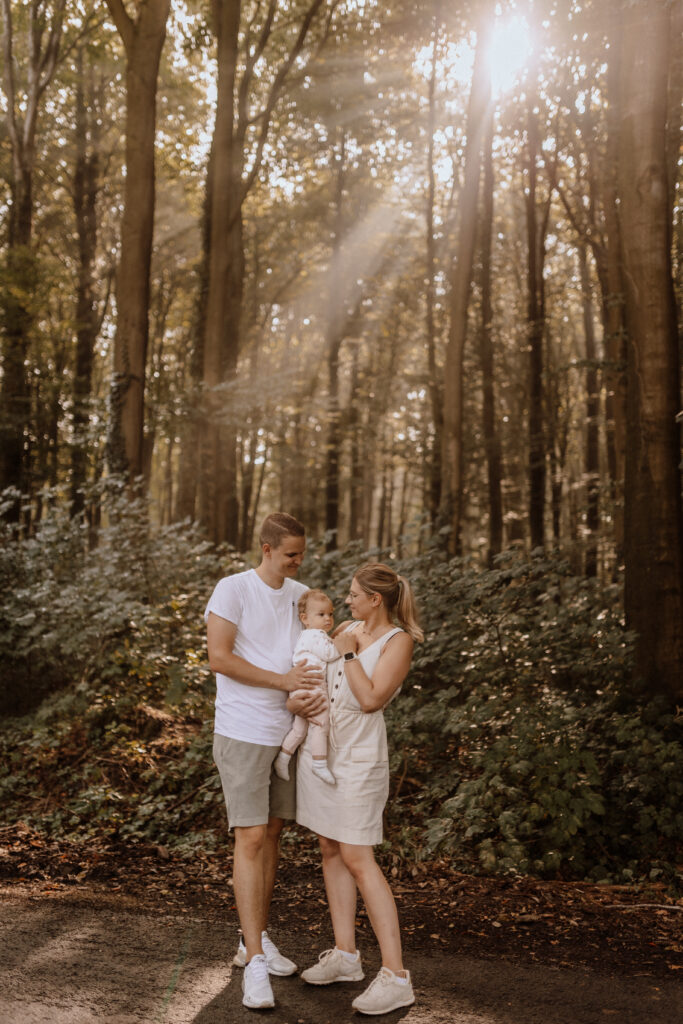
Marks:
<point>253,792</point>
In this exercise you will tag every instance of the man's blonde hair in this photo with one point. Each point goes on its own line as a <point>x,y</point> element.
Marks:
<point>277,526</point>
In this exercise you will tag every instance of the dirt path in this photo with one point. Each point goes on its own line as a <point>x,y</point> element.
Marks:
<point>111,959</point>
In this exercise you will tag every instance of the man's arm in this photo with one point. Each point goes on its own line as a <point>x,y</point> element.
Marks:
<point>220,636</point>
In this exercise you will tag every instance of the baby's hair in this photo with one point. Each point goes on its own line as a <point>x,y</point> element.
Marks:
<point>306,596</point>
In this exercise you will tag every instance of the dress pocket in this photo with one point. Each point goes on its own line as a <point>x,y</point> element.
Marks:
<point>365,755</point>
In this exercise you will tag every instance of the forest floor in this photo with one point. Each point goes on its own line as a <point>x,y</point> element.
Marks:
<point>117,935</point>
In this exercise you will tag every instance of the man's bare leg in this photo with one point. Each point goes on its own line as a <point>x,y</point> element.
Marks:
<point>257,850</point>
<point>271,856</point>
<point>249,884</point>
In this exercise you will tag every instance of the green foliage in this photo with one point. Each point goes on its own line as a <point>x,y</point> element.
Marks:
<point>68,613</point>
<point>535,753</point>
<point>520,743</point>
<point>112,639</point>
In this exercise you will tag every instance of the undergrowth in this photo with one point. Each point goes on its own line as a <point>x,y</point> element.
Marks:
<point>520,743</point>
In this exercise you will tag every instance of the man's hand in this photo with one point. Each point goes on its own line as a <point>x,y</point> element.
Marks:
<point>307,705</point>
<point>303,677</point>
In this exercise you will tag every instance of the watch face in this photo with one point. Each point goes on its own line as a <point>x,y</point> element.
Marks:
<point>349,656</point>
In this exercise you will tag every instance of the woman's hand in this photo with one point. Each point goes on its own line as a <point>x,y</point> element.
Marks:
<point>388,675</point>
<point>347,642</point>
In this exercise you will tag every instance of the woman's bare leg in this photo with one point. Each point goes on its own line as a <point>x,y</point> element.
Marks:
<point>341,895</point>
<point>379,901</point>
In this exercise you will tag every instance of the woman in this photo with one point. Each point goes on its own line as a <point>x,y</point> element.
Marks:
<point>348,817</point>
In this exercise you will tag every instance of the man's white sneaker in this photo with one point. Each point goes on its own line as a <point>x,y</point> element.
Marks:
<point>258,995</point>
<point>333,965</point>
<point>385,993</point>
<point>277,963</point>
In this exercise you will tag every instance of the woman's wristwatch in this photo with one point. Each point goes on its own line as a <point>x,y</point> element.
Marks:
<point>350,656</point>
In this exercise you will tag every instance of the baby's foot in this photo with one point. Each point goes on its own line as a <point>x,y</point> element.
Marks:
<point>281,766</point>
<point>323,772</point>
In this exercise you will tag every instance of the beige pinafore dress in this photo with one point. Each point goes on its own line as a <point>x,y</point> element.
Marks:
<point>351,811</point>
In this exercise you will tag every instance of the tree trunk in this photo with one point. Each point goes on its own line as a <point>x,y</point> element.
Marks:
<point>85,189</point>
<point>613,317</point>
<point>227,190</point>
<point>591,444</point>
<point>143,40</point>
<point>491,435</point>
<point>16,295</point>
<point>218,503</point>
<point>357,523</point>
<point>434,376</point>
<point>537,221</point>
<point>653,514</point>
<point>333,341</point>
<point>461,280</point>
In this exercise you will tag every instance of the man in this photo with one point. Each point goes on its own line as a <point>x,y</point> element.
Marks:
<point>252,628</point>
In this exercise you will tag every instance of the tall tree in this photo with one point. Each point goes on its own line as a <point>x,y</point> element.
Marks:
<point>591,449</point>
<point>460,285</point>
<point>433,489</point>
<point>89,89</point>
<point>537,213</point>
<point>228,186</point>
<point>43,25</point>
<point>143,37</point>
<point>489,424</point>
<point>653,513</point>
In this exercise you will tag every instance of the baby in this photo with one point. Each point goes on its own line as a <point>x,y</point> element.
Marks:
<point>315,648</point>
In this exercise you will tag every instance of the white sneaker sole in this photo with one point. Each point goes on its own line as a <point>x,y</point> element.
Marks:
<point>263,1005</point>
<point>239,961</point>
<point>333,981</point>
<point>389,1009</point>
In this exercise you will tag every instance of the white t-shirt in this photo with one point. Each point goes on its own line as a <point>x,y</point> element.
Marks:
<point>268,627</point>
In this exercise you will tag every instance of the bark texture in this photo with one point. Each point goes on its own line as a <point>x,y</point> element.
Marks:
<point>653,514</point>
<point>143,40</point>
<point>461,283</point>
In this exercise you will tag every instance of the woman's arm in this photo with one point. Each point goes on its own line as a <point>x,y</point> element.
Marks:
<point>390,671</point>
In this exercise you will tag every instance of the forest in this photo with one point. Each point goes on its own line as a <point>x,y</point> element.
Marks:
<point>412,272</point>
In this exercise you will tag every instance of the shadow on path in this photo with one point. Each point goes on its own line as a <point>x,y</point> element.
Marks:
<point>104,961</point>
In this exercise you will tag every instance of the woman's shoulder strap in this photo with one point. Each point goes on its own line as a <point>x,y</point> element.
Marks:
<point>392,632</point>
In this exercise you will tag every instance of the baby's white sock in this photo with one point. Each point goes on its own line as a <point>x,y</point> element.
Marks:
<point>281,765</point>
<point>323,772</point>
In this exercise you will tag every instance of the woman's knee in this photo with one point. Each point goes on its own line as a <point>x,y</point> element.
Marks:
<point>329,848</point>
<point>360,861</point>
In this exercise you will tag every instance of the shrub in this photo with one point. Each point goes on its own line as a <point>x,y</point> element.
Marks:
<point>519,744</point>
<point>534,750</point>
<point>68,613</point>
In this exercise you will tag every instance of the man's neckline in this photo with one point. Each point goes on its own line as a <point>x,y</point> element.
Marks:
<point>276,590</point>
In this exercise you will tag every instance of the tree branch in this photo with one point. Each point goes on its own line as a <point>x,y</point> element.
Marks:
<point>275,92</point>
<point>124,23</point>
<point>8,79</point>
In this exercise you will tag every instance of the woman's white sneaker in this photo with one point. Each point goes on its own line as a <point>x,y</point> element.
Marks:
<point>257,993</point>
<point>385,993</point>
<point>333,965</point>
